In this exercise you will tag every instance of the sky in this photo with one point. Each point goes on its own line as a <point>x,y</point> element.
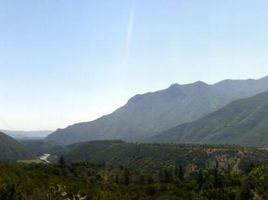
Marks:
<point>67,61</point>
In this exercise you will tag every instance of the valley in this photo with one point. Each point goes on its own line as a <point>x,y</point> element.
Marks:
<point>194,141</point>
<point>133,100</point>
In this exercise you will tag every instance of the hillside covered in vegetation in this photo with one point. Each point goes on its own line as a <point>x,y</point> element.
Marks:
<point>148,114</point>
<point>152,157</point>
<point>11,149</point>
<point>243,122</point>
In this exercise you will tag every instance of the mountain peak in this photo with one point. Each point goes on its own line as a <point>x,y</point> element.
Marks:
<point>135,98</point>
<point>199,83</point>
<point>175,85</point>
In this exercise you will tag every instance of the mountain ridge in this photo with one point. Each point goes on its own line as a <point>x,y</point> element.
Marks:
<point>146,115</point>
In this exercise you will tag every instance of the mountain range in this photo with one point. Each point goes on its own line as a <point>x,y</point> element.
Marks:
<point>242,122</point>
<point>150,114</point>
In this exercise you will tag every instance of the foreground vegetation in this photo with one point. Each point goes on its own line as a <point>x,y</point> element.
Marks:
<point>92,181</point>
<point>115,170</point>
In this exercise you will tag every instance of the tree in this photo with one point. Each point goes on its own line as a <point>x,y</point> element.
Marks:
<point>126,177</point>
<point>167,176</point>
<point>181,173</point>
<point>245,193</point>
<point>200,179</point>
<point>62,163</point>
<point>216,175</point>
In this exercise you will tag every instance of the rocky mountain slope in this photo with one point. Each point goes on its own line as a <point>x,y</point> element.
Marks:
<point>152,113</point>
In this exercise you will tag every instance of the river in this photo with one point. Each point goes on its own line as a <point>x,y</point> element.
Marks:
<point>45,158</point>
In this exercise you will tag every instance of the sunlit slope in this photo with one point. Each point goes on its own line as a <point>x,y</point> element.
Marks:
<point>241,122</point>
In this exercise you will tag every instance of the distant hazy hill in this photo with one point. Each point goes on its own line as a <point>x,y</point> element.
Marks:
<point>27,134</point>
<point>241,122</point>
<point>10,149</point>
<point>19,134</point>
<point>149,114</point>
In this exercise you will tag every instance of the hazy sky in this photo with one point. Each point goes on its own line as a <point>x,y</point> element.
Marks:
<point>66,61</point>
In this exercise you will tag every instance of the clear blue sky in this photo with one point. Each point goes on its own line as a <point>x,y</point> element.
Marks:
<point>65,61</point>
